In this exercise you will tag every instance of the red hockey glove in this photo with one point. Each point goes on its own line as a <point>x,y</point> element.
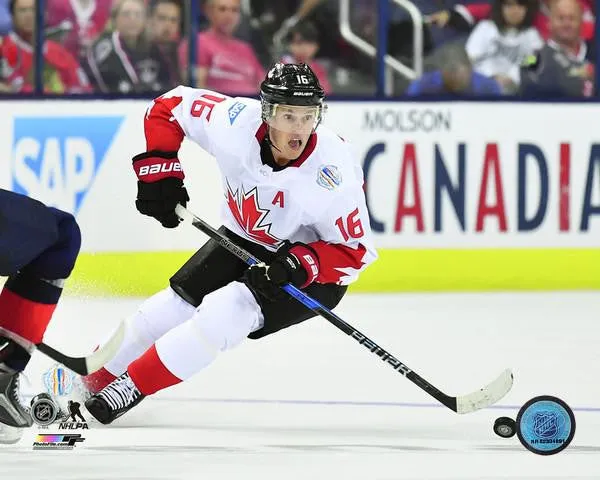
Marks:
<point>295,263</point>
<point>160,186</point>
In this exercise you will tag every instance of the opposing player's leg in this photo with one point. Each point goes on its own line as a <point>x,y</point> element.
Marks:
<point>209,269</point>
<point>39,246</point>
<point>223,320</point>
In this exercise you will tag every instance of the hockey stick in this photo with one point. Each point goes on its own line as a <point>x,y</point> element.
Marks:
<point>482,398</point>
<point>91,363</point>
<point>81,365</point>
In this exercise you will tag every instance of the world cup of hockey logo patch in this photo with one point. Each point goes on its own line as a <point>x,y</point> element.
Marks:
<point>58,381</point>
<point>329,177</point>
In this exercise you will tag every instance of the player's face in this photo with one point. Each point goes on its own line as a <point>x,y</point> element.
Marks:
<point>290,128</point>
<point>290,145</point>
<point>294,119</point>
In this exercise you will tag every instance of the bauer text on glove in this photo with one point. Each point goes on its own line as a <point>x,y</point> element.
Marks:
<point>160,186</point>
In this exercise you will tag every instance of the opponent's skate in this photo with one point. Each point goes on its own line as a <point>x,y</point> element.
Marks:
<point>13,359</point>
<point>114,400</point>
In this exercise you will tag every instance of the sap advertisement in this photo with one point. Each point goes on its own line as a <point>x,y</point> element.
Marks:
<point>77,156</point>
<point>437,175</point>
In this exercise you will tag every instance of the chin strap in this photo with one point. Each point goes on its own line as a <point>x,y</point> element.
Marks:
<point>271,144</point>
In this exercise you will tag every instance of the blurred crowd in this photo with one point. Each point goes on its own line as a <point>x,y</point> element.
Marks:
<point>483,47</point>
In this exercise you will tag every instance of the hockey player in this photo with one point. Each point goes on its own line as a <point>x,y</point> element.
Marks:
<point>38,249</point>
<point>293,198</point>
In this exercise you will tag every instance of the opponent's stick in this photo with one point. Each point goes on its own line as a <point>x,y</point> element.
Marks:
<point>91,363</point>
<point>81,365</point>
<point>471,402</point>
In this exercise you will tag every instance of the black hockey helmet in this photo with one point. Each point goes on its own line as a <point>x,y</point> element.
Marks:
<point>294,85</point>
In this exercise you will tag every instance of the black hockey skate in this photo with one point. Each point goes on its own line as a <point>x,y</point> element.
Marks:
<point>114,400</point>
<point>13,358</point>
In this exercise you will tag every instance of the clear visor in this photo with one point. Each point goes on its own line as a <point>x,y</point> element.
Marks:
<point>293,119</point>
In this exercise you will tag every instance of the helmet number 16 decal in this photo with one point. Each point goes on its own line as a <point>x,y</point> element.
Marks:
<point>303,79</point>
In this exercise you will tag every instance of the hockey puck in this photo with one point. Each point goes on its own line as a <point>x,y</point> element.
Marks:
<point>505,427</point>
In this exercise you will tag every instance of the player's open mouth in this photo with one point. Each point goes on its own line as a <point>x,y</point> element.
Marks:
<point>295,143</point>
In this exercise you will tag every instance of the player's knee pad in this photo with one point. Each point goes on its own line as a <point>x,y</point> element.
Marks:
<point>161,312</point>
<point>223,320</point>
<point>58,261</point>
<point>227,316</point>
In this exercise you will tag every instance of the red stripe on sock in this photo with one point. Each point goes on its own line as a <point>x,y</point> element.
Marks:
<point>96,381</point>
<point>149,373</point>
<point>24,317</point>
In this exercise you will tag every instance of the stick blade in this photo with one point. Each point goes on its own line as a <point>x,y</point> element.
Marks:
<point>106,353</point>
<point>487,396</point>
<point>91,363</point>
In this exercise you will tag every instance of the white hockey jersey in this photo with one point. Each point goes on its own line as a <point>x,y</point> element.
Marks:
<point>318,199</point>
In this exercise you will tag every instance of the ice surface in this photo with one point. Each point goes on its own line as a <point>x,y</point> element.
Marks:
<point>309,403</point>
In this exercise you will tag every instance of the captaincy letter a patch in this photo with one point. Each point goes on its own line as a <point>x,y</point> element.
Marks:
<point>278,199</point>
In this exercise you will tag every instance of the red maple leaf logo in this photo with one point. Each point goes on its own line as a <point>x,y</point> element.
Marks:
<point>249,216</point>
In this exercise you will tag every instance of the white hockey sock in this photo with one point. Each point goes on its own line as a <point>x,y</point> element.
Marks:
<point>156,316</point>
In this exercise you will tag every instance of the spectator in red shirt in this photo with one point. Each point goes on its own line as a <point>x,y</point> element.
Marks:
<point>464,17</point>
<point>303,45</point>
<point>62,73</point>
<point>225,63</point>
<point>86,19</point>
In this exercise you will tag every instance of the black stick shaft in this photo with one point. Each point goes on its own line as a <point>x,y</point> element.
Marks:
<point>77,364</point>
